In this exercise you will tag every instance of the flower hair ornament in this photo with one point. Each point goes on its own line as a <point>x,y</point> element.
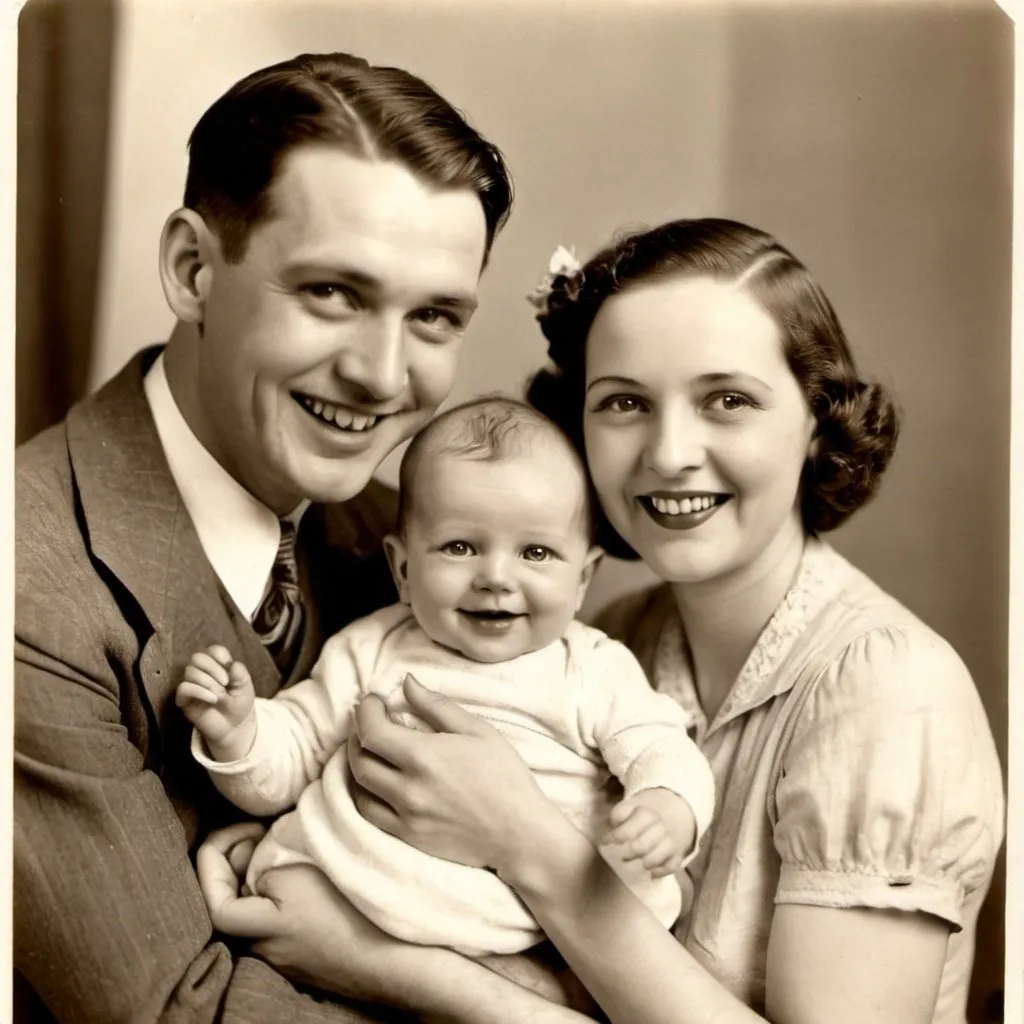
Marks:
<point>562,267</point>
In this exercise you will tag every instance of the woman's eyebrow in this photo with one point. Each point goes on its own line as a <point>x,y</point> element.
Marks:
<point>733,376</point>
<point>627,381</point>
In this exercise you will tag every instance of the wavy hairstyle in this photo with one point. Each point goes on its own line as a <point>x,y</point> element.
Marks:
<point>376,113</point>
<point>857,421</point>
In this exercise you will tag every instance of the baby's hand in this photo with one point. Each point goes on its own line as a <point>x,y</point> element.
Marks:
<point>217,697</point>
<point>658,828</point>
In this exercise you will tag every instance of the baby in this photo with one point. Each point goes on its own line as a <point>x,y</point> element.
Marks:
<point>492,558</point>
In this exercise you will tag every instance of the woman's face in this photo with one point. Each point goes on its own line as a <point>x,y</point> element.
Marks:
<point>696,429</point>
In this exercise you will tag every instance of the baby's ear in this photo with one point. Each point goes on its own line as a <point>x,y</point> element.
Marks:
<point>590,564</point>
<point>399,564</point>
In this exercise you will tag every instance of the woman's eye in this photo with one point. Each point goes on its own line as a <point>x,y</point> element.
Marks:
<point>731,401</point>
<point>457,548</point>
<point>537,553</point>
<point>622,404</point>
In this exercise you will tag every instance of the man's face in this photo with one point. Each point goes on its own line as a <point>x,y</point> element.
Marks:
<point>337,335</point>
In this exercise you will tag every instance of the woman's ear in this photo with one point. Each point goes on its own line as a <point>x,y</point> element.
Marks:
<point>590,564</point>
<point>399,564</point>
<point>187,250</point>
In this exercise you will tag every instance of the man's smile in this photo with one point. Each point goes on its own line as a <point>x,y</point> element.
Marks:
<point>338,416</point>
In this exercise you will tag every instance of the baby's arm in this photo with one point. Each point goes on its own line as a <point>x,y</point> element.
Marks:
<point>292,736</point>
<point>641,734</point>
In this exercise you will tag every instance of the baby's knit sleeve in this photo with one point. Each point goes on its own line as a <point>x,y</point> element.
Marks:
<point>642,735</point>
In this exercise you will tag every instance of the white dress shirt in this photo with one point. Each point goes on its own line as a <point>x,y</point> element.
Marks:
<point>238,533</point>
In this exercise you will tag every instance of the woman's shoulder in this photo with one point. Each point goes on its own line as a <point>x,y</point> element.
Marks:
<point>866,633</point>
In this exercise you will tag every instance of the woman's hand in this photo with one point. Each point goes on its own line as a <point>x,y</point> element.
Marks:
<point>461,793</point>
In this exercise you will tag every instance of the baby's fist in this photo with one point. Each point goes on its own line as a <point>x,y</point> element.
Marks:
<point>657,828</point>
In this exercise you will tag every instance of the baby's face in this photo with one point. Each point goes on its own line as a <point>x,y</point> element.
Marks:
<point>495,561</point>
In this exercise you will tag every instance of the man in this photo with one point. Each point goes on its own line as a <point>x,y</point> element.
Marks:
<point>322,270</point>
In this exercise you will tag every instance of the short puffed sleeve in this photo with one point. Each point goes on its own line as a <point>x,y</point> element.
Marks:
<point>890,792</point>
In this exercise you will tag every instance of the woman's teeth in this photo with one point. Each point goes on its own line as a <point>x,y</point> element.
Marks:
<point>671,507</point>
<point>337,415</point>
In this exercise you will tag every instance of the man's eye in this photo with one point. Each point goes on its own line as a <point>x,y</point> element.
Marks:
<point>331,292</point>
<point>457,548</point>
<point>537,553</point>
<point>437,317</point>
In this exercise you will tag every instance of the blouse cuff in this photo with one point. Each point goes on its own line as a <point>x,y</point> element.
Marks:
<point>848,889</point>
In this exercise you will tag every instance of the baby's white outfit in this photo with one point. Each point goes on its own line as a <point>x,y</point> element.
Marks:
<point>580,713</point>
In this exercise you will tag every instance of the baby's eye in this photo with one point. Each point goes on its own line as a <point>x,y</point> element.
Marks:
<point>457,548</point>
<point>537,553</point>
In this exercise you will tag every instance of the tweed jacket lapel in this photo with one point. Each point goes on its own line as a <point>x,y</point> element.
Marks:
<point>136,525</point>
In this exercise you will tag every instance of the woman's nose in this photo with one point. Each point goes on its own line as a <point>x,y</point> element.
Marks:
<point>676,443</point>
<point>376,359</point>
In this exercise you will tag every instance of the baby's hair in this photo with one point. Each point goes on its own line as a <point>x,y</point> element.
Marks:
<point>488,429</point>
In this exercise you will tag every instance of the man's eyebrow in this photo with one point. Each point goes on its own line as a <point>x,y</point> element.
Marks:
<point>460,300</point>
<point>367,282</point>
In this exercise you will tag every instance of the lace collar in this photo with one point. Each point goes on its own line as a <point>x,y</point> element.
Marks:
<point>817,582</point>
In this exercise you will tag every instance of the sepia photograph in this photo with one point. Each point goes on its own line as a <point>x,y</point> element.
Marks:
<point>512,512</point>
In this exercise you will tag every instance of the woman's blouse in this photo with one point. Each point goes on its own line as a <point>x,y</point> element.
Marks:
<point>854,767</point>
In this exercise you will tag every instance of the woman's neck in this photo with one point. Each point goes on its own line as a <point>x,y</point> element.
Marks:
<point>723,617</point>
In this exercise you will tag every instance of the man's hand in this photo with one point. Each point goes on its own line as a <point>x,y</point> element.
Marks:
<point>309,932</point>
<point>658,828</point>
<point>218,697</point>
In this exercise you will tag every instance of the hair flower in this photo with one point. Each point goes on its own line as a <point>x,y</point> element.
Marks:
<point>563,264</point>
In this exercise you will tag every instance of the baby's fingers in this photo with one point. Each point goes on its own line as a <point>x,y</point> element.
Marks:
<point>202,663</point>
<point>187,693</point>
<point>659,856</point>
<point>630,826</point>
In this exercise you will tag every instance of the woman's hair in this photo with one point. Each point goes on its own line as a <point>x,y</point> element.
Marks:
<point>857,421</point>
<point>376,113</point>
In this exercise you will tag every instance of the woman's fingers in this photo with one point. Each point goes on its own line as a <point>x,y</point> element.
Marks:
<point>444,714</point>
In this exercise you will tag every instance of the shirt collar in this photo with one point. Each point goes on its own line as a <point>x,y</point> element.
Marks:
<point>238,533</point>
<point>816,584</point>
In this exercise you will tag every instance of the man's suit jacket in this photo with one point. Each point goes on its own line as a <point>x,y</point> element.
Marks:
<point>113,594</point>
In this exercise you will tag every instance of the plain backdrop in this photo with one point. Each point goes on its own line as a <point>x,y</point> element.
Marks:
<point>874,139</point>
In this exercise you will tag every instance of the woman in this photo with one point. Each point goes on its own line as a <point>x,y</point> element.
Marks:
<point>707,380</point>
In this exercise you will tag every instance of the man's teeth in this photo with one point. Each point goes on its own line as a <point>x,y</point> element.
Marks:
<point>339,416</point>
<point>671,507</point>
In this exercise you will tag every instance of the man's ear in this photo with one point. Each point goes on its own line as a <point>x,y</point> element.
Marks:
<point>590,564</point>
<point>399,564</point>
<point>187,250</point>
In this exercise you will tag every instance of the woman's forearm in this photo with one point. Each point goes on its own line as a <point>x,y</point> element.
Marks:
<point>632,966</point>
<point>445,988</point>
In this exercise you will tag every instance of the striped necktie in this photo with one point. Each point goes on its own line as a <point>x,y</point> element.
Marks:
<point>278,620</point>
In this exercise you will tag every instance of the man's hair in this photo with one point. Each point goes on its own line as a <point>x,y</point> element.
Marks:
<point>488,429</point>
<point>375,113</point>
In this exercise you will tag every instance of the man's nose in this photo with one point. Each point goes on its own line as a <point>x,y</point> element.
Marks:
<point>377,360</point>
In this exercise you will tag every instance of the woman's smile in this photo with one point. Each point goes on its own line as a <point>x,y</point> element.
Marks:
<point>681,510</point>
